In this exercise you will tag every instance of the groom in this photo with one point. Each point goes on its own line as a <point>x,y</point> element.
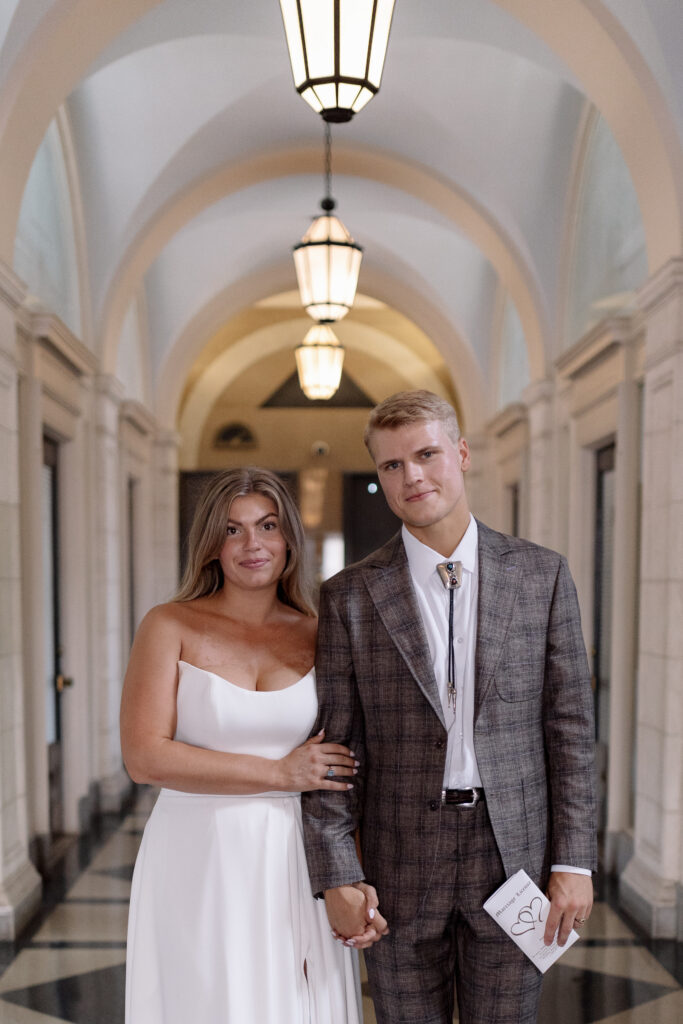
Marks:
<point>464,692</point>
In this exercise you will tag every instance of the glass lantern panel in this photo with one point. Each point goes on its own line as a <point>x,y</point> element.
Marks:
<point>348,95</point>
<point>364,96</point>
<point>318,21</point>
<point>327,94</point>
<point>311,98</point>
<point>290,18</point>
<point>355,20</point>
<point>385,10</point>
<point>303,276</point>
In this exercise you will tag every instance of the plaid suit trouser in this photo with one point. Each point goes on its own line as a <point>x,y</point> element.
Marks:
<point>412,970</point>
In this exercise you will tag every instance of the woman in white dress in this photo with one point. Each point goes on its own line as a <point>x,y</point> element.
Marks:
<point>218,702</point>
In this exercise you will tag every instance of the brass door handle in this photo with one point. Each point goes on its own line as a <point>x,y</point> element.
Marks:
<point>62,682</point>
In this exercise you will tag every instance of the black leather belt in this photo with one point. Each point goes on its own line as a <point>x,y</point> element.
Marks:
<point>462,797</point>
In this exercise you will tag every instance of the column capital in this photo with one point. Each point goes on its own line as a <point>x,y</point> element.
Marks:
<point>109,386</point>
<point>537,392</point>
<point>13,291</point>
<point>663,286</point>
<point>167,438</point>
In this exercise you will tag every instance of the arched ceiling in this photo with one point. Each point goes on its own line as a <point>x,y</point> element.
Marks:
<point>199,165</point>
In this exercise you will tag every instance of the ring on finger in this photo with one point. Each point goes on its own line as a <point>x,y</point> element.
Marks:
<point>329,774</point>
<point>578,921</point>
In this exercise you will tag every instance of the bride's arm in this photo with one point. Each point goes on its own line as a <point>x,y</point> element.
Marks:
<point>148,724</point>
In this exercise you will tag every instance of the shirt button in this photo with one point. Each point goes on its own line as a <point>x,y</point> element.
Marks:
<point>461,640</point>
<point>433,805</point>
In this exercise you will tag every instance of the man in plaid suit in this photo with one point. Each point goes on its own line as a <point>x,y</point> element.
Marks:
<point>464,692</point>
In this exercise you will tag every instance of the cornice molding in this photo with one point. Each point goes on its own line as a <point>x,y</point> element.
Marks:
<point>662,285</point>
<point>13,291</point>
<point>48,328</point>
<point>109,387</point>
<point>512,415</point>
<point>597,343</point>
<point>138,416</point>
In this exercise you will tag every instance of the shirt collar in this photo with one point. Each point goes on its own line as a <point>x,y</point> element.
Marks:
<point>423,560</point>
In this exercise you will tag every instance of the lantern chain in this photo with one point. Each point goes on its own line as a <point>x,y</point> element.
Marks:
<point>328,202</point>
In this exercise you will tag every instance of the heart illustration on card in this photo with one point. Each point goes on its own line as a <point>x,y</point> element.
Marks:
<point>528,917</point>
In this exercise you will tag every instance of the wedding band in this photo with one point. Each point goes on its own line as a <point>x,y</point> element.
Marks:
<point>580,920</point>
<point>330,773</point>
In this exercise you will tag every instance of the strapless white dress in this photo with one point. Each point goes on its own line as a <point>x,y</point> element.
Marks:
<point>222,919</point>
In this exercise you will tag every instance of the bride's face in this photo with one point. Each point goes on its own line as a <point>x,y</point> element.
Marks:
<point>254,554</point>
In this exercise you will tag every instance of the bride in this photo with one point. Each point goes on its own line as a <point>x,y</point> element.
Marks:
<point>218,702</point>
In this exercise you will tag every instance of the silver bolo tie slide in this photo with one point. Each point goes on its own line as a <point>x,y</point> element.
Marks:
<point>450,574</point>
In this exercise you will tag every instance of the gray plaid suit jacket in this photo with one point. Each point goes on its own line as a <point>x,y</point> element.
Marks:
<point>533,729</point>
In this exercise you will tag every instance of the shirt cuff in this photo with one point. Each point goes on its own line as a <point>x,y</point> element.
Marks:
<point>571,870</point>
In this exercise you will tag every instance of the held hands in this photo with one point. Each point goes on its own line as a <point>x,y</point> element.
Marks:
<point>353,915</point>
<point>317,765</point>
<point>571,900</point>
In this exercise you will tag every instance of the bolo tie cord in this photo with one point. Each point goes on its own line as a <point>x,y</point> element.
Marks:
<point>452,691</point>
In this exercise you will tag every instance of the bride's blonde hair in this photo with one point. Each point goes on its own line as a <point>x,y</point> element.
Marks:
<point>203,573</point>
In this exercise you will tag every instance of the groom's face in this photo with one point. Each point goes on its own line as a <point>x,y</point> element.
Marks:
<point>421,473</point>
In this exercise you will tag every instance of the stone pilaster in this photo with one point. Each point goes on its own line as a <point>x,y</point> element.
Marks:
<point>538,398</point>
<point>651,885</point>
<point>624,611</point>
<point>20,885</point>
<point>109,668</point>
<point>165,515</point>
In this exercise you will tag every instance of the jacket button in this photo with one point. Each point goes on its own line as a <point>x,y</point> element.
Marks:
<point>433,805</point>
<point>440,744</point>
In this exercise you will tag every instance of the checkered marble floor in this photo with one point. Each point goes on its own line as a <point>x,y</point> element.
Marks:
<point>71,965</point>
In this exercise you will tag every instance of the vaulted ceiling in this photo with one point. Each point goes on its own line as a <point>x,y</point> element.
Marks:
<point>194,167</point>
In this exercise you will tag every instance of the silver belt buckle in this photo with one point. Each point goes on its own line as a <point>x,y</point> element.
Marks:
<point>475,801</point>
<point>475,794</point>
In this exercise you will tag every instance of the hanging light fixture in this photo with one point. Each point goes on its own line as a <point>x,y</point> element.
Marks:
<point>327,260</point>
<point>337,50</point>
<point>319,360</point>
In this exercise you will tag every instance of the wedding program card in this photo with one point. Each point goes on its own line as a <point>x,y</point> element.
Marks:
<point>521,909</point>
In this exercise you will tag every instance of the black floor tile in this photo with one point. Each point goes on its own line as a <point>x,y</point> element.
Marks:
<point>573,994</point>
<point>96,997</point>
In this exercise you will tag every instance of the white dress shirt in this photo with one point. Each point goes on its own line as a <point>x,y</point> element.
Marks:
<point>461,771</point>
<point>432,600</point>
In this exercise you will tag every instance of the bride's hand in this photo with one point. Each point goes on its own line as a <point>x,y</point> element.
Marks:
<point>309,766</point>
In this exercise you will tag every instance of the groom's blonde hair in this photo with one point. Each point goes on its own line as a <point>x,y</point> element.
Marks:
<point>411,407</point>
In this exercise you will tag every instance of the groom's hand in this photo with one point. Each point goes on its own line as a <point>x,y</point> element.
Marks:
<point>353,914</point>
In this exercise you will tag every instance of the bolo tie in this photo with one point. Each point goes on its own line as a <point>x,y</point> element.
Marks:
<point>450,574</point>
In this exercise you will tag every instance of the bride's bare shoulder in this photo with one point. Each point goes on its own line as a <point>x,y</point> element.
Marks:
<point>169,616</point>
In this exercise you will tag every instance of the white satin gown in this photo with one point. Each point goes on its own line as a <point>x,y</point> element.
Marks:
<point>223,928</point>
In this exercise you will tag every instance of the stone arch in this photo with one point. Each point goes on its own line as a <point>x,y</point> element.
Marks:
<point>511,264</point>
<point>466,377</point>
<point>594,45</point>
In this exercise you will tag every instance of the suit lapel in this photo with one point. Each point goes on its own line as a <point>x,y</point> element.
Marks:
<point>498,584</point>
<point>390,587</point>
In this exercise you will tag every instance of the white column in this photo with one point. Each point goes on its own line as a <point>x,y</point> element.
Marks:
<point>109,669</point>
<point>165,515</point>
<point>32,573</point>
<point>77,620</point>
<point>20,885</point>
<point>624,611</point>
<point>538,398</point>
<point>651,885</point>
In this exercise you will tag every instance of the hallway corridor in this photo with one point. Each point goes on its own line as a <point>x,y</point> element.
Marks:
<point>70,966</point>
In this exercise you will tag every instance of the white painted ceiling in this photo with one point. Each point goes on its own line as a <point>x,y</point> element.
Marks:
<point>200,166</point>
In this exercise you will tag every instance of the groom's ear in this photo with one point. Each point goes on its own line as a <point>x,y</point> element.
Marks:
<point>464,452</point>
